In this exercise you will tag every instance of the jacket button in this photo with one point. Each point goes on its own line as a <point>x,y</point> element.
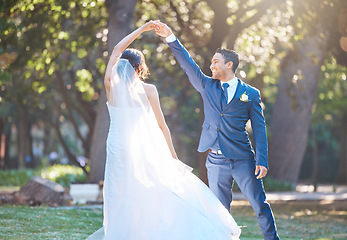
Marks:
<point>218,129</point>
<point>221,114</point>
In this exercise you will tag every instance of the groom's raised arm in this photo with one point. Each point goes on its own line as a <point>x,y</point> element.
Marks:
<point>187,63</point>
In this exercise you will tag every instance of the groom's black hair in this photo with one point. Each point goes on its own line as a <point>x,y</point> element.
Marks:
<point>136,59</point>
<point>229,55</point>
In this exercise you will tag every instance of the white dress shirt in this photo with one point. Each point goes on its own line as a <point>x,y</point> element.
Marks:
<point>170,38</point>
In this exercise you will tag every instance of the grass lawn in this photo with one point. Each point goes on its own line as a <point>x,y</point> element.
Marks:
<point>295,220</point>
<point>20,222</point>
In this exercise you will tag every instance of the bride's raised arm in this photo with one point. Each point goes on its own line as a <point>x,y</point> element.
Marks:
<point>121,46</point>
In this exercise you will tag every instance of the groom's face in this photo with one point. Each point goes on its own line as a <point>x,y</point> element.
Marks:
<point>218,67</point>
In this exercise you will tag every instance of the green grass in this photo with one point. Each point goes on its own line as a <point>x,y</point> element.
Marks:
<point>21,222</point>
<point>310,220</point>
<point>297,220</point>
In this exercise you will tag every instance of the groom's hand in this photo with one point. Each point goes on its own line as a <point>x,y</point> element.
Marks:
<point>261,170</point>
<point>162,29</point>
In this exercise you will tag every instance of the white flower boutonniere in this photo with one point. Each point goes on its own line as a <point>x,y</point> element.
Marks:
<point>244,97</point>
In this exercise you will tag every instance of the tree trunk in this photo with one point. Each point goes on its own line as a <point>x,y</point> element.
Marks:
<point>120,19</point>
<point>342,175</point>
<point>22,138</point>
<point>291,116</point>
<point>2,143</point>
<point>8,134</point>
<point>315,161</point>
<point>30,153</point>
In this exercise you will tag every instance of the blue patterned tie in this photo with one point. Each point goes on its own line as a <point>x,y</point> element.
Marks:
<point>225,94</point>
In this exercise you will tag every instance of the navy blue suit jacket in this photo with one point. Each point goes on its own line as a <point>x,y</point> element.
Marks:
<point>228,125</point>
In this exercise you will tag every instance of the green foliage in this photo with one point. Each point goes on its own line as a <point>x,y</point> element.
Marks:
<point>62,174</point>
<point>274,185</point>
<point>44,48</point>
<point>16,177</point>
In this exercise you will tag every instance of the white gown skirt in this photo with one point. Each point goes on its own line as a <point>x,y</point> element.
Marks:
<point>148,195</point>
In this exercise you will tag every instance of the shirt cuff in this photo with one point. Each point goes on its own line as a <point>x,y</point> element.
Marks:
<point>170,38</point>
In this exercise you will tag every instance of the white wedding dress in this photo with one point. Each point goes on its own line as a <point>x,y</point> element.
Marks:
<point>148,195</point>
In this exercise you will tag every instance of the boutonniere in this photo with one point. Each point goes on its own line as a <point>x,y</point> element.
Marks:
<point>244,97</point>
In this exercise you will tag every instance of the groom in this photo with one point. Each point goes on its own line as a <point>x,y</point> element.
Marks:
<point>228,104</point>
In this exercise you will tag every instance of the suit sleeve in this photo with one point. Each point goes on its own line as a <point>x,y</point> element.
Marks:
<point>259,131</point>
<point>197,78</point>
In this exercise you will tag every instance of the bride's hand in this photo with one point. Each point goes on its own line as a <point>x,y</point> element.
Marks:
<point>148,26</point>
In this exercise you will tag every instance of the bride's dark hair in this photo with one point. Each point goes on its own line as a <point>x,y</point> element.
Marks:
<point>137,60</point>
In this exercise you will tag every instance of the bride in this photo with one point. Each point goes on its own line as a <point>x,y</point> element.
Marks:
<point>148,193</point>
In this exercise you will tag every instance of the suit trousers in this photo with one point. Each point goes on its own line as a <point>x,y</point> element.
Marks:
<point>222,172</point>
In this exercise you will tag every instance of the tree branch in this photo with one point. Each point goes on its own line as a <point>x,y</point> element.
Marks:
<point>66,148</point>
<point>65,95</point>
<point>179,18</point>
<point>88,114</point>
<point>56,127</point>
<point>238,26</point>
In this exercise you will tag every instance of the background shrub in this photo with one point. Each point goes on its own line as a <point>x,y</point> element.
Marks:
<point>62,174</point>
